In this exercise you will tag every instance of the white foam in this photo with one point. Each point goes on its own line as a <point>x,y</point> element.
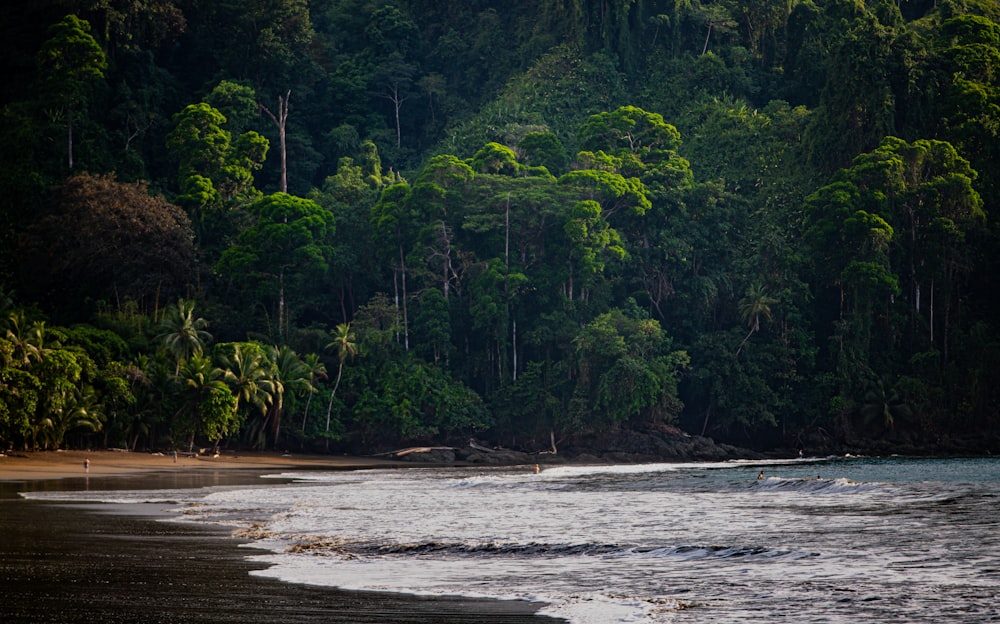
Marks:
<point>756,551</point>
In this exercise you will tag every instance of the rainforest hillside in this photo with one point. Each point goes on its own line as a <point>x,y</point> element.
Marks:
<point>352,225</point>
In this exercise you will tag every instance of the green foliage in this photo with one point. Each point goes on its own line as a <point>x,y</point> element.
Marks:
<point>69,62</point>
<point>70,59</point>
<point>208,153</point>
<point>628,370</point>
<point>766,221</point>
<point>182,334</point>
<point>543,149</point>
<point>237,103</point>
<point>413,401</point>
<point>275,260</point>
<point>555,95</point>
<point>207,406</point>
<point>217,413</point>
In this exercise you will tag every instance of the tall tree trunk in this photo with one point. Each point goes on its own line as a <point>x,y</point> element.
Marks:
<point>69,134</point>
<point>281,305</point>
<point>406,320</point>
<point>397,103</point>
<point>329,407</point>
<point>513,322</point>
<point>280,121</point>
<point>931,310</point>
<point>306,415</point>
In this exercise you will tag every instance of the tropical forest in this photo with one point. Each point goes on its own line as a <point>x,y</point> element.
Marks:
<point>350,226</point>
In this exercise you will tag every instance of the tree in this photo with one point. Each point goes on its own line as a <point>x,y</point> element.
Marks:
<point>612,191</point>
<point>757,303</point>
<point>345,347</point>
<point>630,129</point>
<point>274,37</point>
<point>208,407</point>
<point>104,240</point>
<point>394,222</point>
<point>70,60</point>
<point>182,333</point>
<point>884,405</point>
<point>291,376</point>
<point>212,164</point>
<point>246,371</point>
<point>958,80</point>
<point>543,149</point>
<point>857,106</point>
<point>287,248</point>
<point>66,396</point>
<point>592,242</point>
<point>315,369</point>
<point>280,121</point>
<point>350,195</point>
<point>238,104</point>
<point>626,369</point>
<point>931,195</point>
<point>392,83</point>
<point>432,327</point>
<point>69,409</point>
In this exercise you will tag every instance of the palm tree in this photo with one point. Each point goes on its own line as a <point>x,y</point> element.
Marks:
<point>196,376</point>
<point>138,422</point>
<point>884,404</point>
<point>316,369</point>
<point>755,304</point>
<point>344,346</point>
<point>28,339</point>
<point>77,408</point>
<point>290,376</point>
<point>182,333</point>
<point>247,374</point>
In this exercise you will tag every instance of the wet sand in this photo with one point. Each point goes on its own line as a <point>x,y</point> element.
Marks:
<point>83,563</point>
<point>37,465</point>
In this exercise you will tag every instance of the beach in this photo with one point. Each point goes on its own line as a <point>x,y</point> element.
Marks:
<point>120,563</point>
<point>47,465</point>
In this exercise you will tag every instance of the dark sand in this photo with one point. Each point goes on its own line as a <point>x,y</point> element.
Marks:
<point>105,564</point>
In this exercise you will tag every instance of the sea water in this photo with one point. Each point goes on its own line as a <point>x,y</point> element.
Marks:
<point>829,540</point>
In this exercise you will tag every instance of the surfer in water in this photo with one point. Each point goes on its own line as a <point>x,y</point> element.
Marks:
<point>760,475</point>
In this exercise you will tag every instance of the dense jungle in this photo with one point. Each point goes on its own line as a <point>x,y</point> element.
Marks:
<point>357,225</point>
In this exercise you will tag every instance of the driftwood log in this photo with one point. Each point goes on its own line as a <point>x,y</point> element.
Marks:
<point>414,449</point>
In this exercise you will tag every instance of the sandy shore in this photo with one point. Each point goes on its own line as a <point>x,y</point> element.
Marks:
<point>83,563</point>
<point>33,466</point>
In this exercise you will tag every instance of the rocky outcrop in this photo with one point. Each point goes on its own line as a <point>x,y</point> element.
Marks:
<point>664,444</point>
<point>623,446</point>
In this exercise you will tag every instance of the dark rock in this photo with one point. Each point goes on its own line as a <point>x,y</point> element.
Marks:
<point>664,444</point>
<point>433,456</point>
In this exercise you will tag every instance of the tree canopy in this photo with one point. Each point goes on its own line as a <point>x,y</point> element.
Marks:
<point>772,223</point>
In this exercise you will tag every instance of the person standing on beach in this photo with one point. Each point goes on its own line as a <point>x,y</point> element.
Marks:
<point>86,465</point>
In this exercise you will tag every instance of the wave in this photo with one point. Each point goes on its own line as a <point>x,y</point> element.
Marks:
<point>722,552</point>
<point>632,469</point>
<point>344,549</point>
<point>817,485</point>
<point>113,497</point>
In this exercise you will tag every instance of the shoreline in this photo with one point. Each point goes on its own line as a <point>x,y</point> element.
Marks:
<point>116,563</point>
<point>51,465</point>
<point>82,562</point>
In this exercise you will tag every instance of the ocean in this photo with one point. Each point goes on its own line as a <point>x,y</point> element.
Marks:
<point>830,540</point>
